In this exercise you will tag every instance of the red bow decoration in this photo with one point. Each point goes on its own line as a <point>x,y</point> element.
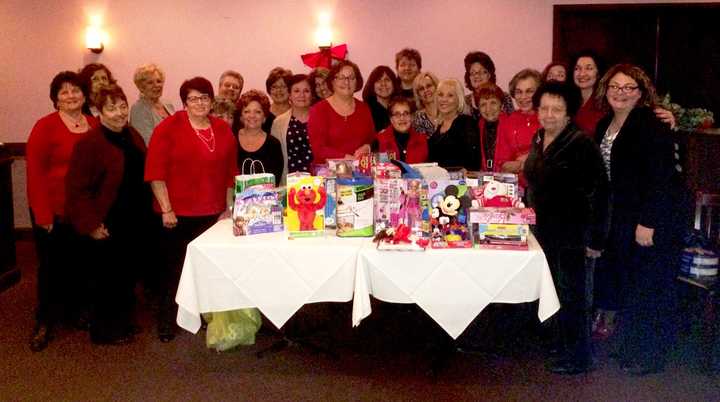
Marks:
<point>325,56</point>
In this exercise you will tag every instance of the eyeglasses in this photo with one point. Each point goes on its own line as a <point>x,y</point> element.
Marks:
<point>198,99</point>
<point>398,115</point>
<point>348,78</point>
<point>479,73</point>
<point>626,89</point>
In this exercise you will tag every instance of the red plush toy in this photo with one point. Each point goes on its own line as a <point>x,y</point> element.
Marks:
<point>303,202</point>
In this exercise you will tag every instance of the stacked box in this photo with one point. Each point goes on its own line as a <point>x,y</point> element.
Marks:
<point>306,198</point>
<point>354,207</point>
<point>257,210</point>
<point>449,202</point>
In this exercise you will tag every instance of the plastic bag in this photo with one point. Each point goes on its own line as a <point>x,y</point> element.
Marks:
<point>228,329</point>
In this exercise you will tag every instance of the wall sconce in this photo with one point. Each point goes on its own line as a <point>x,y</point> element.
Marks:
<point>323,33</point>
<point>95,38</point>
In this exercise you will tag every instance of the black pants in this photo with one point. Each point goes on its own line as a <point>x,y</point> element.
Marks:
<point>572,275</point>
<point>62,281</point>
<point>112,285</point>
<point>174,244</point>
<point>649,328</point>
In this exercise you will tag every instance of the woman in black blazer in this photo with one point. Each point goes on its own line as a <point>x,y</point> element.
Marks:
<point>646,217</point>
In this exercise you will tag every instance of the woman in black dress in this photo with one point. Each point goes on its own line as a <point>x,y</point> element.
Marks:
<point>257,148</point>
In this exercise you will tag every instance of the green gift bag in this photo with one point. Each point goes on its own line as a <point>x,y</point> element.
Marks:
<point>228,329</point>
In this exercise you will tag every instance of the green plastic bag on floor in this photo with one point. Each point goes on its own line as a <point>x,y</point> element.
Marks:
<point>228,329</point>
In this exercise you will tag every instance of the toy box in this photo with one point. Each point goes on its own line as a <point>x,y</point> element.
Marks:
<point>368,161</point>
<point>354,207</point>
<point>517,216</point>
<point>306,198</point>
<point>501,236</point>
<point>256,211</point>
<point>449,201</point>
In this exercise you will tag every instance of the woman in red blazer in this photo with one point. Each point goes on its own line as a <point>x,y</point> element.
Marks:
<point>399,137</point>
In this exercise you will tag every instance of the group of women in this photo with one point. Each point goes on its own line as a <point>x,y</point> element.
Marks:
<point>592,154</point>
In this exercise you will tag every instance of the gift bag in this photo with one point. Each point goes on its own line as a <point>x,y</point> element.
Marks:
<point>228,329</point>
<point>253,176</point>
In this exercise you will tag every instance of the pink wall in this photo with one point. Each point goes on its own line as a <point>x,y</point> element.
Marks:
<point>187,38</point>
<point>196,38</point>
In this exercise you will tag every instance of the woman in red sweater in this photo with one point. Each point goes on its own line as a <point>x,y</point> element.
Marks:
<point>515,131</point>
<point>407,144</point>
<point>191,164</point>
<point>341,126</point>
<point>49,148</point>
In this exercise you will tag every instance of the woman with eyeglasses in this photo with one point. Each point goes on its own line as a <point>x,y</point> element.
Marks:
<point>191,165</point>
<point>399,137</point>
<point>646,216</point>
<point>480,72</point>
<point>341,126</point>
<point>516,130</point>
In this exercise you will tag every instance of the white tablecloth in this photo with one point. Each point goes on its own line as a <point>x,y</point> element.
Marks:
<point>277,275</point>
<point>454,286</point>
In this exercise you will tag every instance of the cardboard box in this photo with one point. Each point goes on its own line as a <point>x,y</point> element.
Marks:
<point>306,198</point>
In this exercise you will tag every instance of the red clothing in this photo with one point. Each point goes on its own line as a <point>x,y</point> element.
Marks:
<point>417,148</point>
<point>334,136</point>
<point>49,148</point>
<point>96,172</point>
<point>588,116</point>
<point>196,178</point>
<point>514,137</point>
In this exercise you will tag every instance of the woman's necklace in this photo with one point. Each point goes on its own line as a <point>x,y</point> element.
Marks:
<point>209,141</point>
<point>76,123</point>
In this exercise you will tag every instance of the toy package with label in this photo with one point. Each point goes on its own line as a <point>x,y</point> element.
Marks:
<point>257,210</point>
<point>306,197</point>
<point>501,236</point>
<point>369,161</point>
<point>449,201</point>
<point>354,207</point>
<point>401,214</point>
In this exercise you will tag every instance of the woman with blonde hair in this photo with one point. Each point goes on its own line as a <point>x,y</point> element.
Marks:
<point>426,117</point>
<point>455,142</point>
<point>149,110</point>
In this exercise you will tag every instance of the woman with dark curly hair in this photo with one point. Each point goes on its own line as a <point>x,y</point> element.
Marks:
<point>49,147</point>
<point>341,126</point>
<point>480,71</point>
<point>93,77</point>
<point>381,85</point>
<point>256,146</point>
<point>646,217</point>
<point>191,166</point>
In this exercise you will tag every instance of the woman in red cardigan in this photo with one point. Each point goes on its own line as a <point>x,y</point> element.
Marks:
<point>49,147</point>
<point>399,137</point>
<point>515,131</point>
<point>191,164</point>
<point>108,204</point>
<point>341,126</point>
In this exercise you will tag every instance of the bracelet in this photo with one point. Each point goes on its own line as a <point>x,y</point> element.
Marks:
<point>166,212</point>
